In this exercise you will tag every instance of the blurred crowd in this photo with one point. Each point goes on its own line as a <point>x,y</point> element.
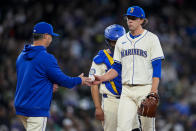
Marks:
<point>81,25</point>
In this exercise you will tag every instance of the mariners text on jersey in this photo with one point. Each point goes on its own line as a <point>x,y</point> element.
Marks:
<point>133,52</point>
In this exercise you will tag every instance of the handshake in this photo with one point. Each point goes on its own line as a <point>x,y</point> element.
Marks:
<point>91,80</point>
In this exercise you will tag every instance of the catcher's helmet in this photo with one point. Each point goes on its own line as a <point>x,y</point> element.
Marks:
<point>113,32</point>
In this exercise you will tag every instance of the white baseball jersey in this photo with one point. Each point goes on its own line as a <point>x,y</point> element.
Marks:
<point>136,56</point>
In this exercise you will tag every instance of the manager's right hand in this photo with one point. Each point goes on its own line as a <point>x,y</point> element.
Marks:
<point>85,80</point>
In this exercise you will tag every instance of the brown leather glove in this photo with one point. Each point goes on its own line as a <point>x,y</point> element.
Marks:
<point>148,107</point>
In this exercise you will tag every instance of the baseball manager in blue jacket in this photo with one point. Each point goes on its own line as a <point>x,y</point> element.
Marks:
<point>37,71</point>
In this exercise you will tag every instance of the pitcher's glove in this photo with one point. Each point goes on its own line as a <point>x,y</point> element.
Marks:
<point>148,107</point>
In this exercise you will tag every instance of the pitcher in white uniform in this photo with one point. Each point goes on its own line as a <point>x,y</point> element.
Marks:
<point>138,54</point>
<point>110,90</point>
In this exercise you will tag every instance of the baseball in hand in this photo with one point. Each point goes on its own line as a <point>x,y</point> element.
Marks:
<point>91,74</point>
<point>92,77</point>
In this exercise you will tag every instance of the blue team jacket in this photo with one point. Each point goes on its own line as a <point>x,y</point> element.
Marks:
<point>37,70</point>
<point>115,85</point>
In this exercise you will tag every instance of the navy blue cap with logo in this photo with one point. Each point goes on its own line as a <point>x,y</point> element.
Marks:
<point>44,28</point>
<point>135,11</point>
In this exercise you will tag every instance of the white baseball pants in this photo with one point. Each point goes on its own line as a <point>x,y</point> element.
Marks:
<point>34,123</point>
<point>130,100</point>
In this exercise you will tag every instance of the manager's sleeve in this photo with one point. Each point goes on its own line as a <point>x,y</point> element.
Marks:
<point>56,75</point>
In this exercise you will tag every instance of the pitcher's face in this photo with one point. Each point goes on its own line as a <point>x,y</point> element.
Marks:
<point>133,22</point>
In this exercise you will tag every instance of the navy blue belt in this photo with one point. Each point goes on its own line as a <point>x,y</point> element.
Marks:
<point>106,96</point>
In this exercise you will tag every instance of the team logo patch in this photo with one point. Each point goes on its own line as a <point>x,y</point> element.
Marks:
<point>131,11</point>
<point>92,71</point>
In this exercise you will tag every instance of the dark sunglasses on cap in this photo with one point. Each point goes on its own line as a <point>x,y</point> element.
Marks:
<point>132,17</point>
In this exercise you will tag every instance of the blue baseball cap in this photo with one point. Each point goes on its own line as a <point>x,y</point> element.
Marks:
<point>44,28</point>
<point>135,11</point>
